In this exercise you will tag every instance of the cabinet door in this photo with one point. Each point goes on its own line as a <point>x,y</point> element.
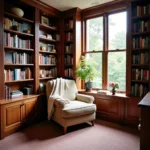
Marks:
<point>29,110</point>
<point>11,118</point>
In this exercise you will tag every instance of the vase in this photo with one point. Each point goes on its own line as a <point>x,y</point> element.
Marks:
<point>17,11</point>
<point>113,91</point>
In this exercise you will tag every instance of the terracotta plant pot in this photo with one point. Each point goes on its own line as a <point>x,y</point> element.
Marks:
<point>17,11</point>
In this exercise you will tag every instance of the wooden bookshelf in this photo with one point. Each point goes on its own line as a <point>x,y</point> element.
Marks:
<point>140,51</point>
<point>71,43</point>
<point>44,27</point>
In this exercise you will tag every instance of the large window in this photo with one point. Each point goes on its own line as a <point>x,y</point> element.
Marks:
<point>106,44</point>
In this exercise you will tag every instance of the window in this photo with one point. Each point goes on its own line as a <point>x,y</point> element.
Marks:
<point>94,40</point>
<point>111,58</point>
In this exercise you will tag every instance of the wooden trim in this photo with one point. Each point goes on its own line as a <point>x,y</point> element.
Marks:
<point>2,93</point>
<point>105,8</point>
<point>36,52</point>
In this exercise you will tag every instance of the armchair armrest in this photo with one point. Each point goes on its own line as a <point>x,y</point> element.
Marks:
<point>85,98</point>
<point>60,102</point>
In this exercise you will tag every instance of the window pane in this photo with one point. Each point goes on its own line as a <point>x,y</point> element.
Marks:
<point>117,68</point>
<point>97,57</point>
<point>94,38</point>
<point>117,31</point>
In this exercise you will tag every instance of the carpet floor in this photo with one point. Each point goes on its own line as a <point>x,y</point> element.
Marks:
<point>49,136</point>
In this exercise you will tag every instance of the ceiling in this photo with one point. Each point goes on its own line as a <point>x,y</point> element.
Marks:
<point>68,4</point>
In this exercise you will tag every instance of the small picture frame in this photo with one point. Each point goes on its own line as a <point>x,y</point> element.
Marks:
<point>44,20</point>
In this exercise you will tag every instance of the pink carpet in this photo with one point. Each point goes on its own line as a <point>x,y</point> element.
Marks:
<point>49,136</point>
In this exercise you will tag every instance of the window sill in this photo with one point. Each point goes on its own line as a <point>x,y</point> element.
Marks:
<point>94,93</point>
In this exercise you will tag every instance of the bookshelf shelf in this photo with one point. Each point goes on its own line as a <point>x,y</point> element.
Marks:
<point>53,53</point>
<point>68,29</point>
<point>140,81</point>
<point>141,17</point>
<point>140,65</point>
<point>68,42</point>
<point>48,27</point>
<point>139,49</point>
<point>47,40</point>
<point>15,81</point>
<point>47,78</point>
<point>19,64</point>
<point>17,49</point>
<point>68,53</point>
<point>18,18</point>
<point>140,33</point>
<point>47,65</point>
<point>18,33</point>
<point>68,65</point>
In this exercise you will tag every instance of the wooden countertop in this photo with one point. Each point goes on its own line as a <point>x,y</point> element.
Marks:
<point>145,102</point>
<point>21,98</point>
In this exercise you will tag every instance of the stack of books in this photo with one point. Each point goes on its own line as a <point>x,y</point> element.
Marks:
<point>102,92</point>
<point>16,94</point>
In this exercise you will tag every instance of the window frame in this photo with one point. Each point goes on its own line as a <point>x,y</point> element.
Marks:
<point>105,50</point>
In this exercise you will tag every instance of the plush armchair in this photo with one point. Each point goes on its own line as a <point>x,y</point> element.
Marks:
<point>66,106</point>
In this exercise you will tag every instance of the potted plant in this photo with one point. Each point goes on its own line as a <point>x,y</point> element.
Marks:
<point>86,72</point>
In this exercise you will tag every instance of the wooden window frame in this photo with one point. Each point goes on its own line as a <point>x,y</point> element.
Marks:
<point>105,50</point>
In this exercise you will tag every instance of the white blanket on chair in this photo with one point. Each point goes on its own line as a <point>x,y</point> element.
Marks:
<point>59,85</point>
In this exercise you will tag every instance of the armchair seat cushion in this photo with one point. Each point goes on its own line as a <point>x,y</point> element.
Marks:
<point>77,108</point>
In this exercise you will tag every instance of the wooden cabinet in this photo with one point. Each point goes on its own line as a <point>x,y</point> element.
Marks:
<point>16,114</point>
<point>110,107</point>
<point>145,123</point>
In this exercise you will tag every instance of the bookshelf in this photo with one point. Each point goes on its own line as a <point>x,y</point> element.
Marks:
<point>71,43</point>
<point>18,45</point>
<point>140,48</point>
<point>49,47</point>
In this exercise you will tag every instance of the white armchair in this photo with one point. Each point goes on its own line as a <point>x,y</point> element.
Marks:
<point>66,106</point>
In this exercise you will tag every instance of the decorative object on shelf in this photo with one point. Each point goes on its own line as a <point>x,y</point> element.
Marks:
<point>44,21</point>
<point>49,36</point>
<point>15,27</point>
<point>28,31</point>
<point>41,88</point>
<point>42,48</point>
<point>17,11</point>
<point>86,71</point>
<point>114,86</point>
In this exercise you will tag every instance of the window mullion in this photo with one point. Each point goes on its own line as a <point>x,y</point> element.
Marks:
<point>105,54</point>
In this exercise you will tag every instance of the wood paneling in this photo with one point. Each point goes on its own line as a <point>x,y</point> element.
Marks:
<point>132,111</point>
<point>13,115</point>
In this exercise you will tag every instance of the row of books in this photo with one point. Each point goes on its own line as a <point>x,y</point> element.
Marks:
<point>11,40</point>
<point>50,59</point>
<point>69,24</point>
<point>68,60</point>
<point>21,26</point>
<point>142,58</point>
<point>69,48</point>
<point>141,26</point>
<point>69,36</point>
<point>48,73</point>
<point>12,94</point>
<point>68,72</point>
<point>140,74</point>
<point>17,74</point>
<point>17,58</point>
<point>141,10</point>
<point>141,42</point>
<point>139,90</point>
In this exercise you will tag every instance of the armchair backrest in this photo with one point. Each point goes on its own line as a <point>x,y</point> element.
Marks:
<point>65,88</point>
